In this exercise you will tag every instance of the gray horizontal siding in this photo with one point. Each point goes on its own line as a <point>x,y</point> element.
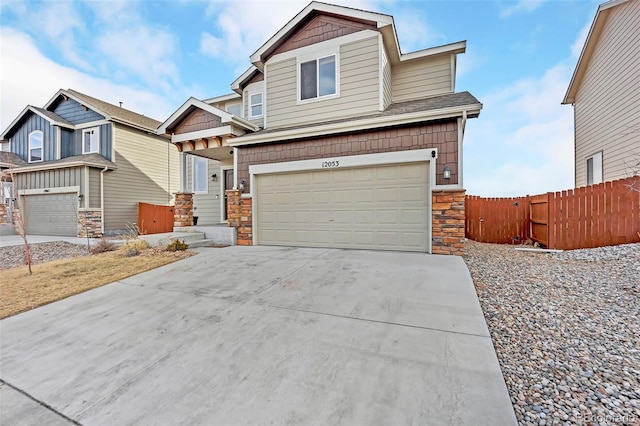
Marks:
<point>359,88</point>
<point>20,138</point>
<point>608,99</point>
<point>75,113</point>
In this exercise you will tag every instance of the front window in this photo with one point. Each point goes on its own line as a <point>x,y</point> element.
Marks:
<point>35,146</point>
<point>199,175</point>
<point>318,78</point>
<point>90,140</point>
<point>255,105</point>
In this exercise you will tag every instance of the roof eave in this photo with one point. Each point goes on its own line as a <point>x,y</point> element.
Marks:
<point>587,50</point>
<point>357,125</point>
<point>46,166</point>
<point>314,6</point>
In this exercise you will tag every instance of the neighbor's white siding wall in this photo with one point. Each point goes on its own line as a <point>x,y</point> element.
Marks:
<point>607,103</point>
<point>421,78</point>
<point>148,171</point>
<point>359,87</point>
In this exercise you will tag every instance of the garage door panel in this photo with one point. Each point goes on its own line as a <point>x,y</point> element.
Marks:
<point>384,207</point>
<point>51,214</point>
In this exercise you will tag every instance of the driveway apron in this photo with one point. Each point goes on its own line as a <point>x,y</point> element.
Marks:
<point>261,335</point>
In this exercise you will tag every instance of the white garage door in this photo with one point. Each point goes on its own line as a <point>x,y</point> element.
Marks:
<point>51,214</point>
<point>381,207</point>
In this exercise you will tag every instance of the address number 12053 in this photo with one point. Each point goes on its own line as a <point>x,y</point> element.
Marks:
<point>334,163</point>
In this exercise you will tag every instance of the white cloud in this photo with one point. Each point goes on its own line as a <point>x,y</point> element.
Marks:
<point>523,141</point>
<point>414,33</point>
<point>142,51</point>
<point>521,7</point>
<point>24,82</point>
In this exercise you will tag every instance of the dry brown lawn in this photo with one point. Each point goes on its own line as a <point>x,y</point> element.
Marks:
<point>59,279</point>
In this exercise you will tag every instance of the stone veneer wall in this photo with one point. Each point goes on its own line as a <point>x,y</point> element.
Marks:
<point>90,223</point>
<point>3,214</point>
<point>239,216</point>
<point>448,222</point>
<point>183,211</point>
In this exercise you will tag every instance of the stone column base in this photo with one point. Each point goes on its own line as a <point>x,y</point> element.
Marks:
<point>183,211</point>
<point>90,223</point>
<point>239,211</point>
<point>448,222</point>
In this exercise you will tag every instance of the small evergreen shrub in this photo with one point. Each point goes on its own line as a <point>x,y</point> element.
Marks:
<point>177,245</point>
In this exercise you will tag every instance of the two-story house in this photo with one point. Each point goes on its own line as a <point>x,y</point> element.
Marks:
<point>81,165</point>
<point>605,94</point>
<point>332,138</point>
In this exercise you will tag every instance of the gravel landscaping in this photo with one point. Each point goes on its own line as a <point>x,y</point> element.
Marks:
<point>566,328</point>
<point>13,256</point>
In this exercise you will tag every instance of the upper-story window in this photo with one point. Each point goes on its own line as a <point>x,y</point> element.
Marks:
<point>318,78</point>
<point>200,182</point>
<point>90,140</point>
<point>255,105</point>
<point>235,109</point>
<point>35,146</point>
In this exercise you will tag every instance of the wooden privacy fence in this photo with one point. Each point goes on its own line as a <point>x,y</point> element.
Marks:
<point>154,218</point>
<point>592,216</point>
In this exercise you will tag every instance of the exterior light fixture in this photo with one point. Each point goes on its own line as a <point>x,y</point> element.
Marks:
<point>214,177</point>
<point>80,197</point>
<point>241,186</point>
<point>446,172</point>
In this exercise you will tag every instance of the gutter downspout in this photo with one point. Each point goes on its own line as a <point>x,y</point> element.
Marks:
<point>102,197</point>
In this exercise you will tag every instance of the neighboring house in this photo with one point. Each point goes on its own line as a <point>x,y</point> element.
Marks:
<point>332,138</point>
<point>605,93</point>
<point>81,166</point>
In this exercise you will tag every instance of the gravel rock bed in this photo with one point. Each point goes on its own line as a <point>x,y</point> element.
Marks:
<point>566,329</point>
<point>13,256</point>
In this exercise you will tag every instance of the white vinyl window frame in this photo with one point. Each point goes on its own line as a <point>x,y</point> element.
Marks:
<point>256,100</point>
<point>199,175</point>
<point>36,146</point>
<point>317,61</point>
<point>594,168</point>
<point>93,133</point>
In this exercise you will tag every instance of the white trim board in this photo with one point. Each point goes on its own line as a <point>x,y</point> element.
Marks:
<point>44,191</point>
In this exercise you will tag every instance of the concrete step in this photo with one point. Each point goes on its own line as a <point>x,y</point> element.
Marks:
<point>204,243</point>
<point>157,240</point>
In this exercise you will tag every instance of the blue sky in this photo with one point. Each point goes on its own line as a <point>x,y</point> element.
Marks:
<point>153,55</point>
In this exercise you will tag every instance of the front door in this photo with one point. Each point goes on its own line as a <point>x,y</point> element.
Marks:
<point>228,184</point>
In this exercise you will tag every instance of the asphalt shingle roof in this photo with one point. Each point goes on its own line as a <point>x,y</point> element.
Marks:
<point>117,112</point>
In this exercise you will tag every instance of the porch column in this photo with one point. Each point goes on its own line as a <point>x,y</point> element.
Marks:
<point>183,210</point>
<point>183,171</point>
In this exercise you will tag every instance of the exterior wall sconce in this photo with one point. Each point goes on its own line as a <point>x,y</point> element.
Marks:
<point>241,186</point>
<point>80,197</point>
<point>214,177</point>
<point>446,172</point>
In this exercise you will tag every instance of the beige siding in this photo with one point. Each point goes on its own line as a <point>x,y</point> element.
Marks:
<point>607,104</point>
<point>249,90</point>
<point>207,206</point>
<point>56,178</point>
<point>359,88</point>
<point>387,89</point>
<point>148,171</point>
<point>421,78</point>
<point>94,188</point>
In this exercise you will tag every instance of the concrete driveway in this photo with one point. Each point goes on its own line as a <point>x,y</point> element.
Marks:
<point>261,335</point>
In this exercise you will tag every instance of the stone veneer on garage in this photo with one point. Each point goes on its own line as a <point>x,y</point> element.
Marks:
<point>90,223</point>
<point>3,214</point>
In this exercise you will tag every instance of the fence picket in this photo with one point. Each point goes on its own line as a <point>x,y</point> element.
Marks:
<point>593,216</point>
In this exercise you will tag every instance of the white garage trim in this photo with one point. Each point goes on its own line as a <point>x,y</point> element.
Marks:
<point>332,163</point>
<point>49,190</point>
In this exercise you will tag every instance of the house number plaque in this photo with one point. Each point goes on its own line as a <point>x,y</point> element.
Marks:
<point>334,163</point>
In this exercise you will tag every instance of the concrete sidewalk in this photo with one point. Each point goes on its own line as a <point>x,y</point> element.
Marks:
<point>16,240</point>
<point>262,335</point>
